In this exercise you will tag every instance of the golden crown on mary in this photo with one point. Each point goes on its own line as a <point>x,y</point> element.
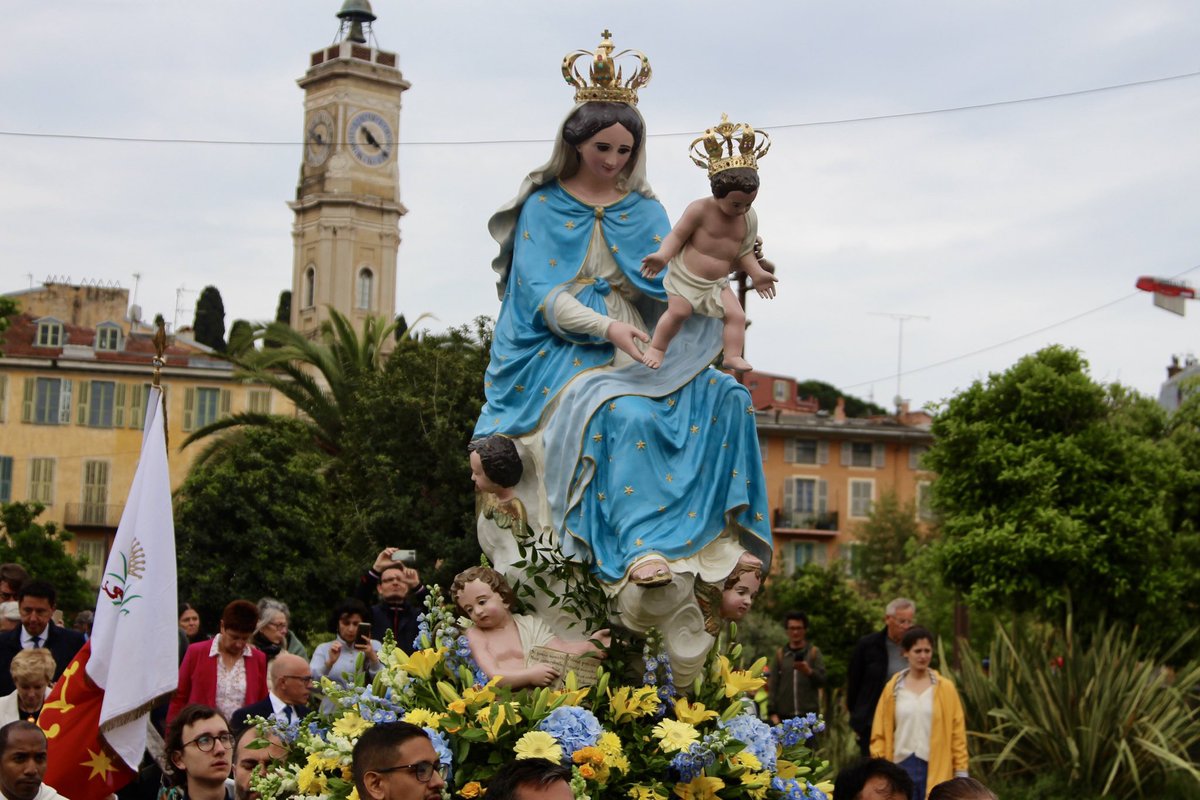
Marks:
<point>605,81</point>
<point>714,150</point>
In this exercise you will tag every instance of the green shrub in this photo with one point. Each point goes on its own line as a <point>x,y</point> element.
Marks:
<point>1095,712</point>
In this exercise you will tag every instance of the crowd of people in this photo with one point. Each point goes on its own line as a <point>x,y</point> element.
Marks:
<point>907,717</point>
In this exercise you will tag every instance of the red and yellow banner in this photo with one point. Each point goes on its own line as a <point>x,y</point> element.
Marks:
<point>78,763</point>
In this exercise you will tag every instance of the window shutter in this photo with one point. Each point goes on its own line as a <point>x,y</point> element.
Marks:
<point>64,403</point>
<point>225,402</point>
<point>879,453</point>
<point>3,395</point>
<point>822,496</point>
<point>789,494</point>
<point>845,454</point>
<point>822,452</point>
<point>189,408</point>
<point>137,405</point>
<point>85,391</point>
<point>27,400</point>
<point>119,407</point>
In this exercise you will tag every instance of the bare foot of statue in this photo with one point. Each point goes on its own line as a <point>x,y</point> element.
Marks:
<point>650,573</point>
<point>653,357</point>
<point>736,363</point>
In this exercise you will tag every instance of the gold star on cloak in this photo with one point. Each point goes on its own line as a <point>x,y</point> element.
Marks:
<point>662,508</point>
<point>600,497</point>
<point>577,363</point>
<point>637,542</point>
<point>691,515</point>
<point>615,249</point>
<point>712,381</point>
<point>671,402</point>
<point>554,262</point>
<point>641,445</point>
<point>525,234</point>
<point>487,384</point>
<point>629,490</point>
<point>749,409</point>
<point>541,198</point>
<point>569,225</point>
<point>519,388</point>
<point>599,437</point>
<point>624,218</point>
<point>612,406</point>
<point>545,390</point>
<point>100,765</point>
<point>695,429</point>
<point>670,479</point>
<point>541,353</point>
<point>733,474</point>
<point>758,517</point>
<point>657,239</point>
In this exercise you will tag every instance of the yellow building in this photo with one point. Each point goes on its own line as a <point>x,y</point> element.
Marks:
<point>74,378</point>
<point>824,471</point>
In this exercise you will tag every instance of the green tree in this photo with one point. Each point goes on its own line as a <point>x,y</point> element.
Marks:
<point>8,310</point>
<point>256,520</point>
<point>403,473</point>
<point>283,311</point>
<point>41,549</point>
<point>241,337</point>
<point>209,323</point>
<point>1052,487</point>
<point>827,395</point>
<point>885,538</point>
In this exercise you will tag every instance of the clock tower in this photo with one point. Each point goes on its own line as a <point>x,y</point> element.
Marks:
<point>347,226</point>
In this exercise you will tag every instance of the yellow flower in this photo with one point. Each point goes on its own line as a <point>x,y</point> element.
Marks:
<point>458,706</point>
<point>674,736</point>
<point>310,780</point>
<point>424,718</point>
<point>692,713</point>
<point>493,718</point>
<point>482,694</point>
<point>629,704</point>
<point>472,789</point>
<point>701,788</point>
<point>353,793</point>
<point>746,759</point>
<point>539,744</point>
<point>757,783</point>
<point>574,698</point>
<point>350,726</point>
<point>420,664</point>
<point>785,769</point>
<point>826,787</point>
<point>587,771</point>
<point>739,681</point>
<point>640,792</point>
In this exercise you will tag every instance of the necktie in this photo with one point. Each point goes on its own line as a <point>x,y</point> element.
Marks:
<point>288,711</point>
<point>37,642</point>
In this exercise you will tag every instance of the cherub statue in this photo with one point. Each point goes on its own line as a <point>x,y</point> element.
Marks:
<point>732,600</point>
<point>500,640</point>
<point>714,237</point>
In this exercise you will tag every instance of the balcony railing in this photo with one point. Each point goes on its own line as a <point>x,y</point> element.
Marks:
<point>806,520</point>
<point>96,515</point>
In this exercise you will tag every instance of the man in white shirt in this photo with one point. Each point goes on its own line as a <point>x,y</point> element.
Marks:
<point>23,763</point>
<point>287,701</point>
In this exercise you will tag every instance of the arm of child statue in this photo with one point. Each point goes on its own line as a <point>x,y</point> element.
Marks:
<point>535,675</point>
<point>763,281</point>
<point>679,235</point>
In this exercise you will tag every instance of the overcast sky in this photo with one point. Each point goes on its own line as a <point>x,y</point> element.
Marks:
<point>994,223</point>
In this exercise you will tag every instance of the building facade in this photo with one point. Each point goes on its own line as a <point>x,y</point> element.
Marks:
<point>74,382</point>
<point>825,471</point>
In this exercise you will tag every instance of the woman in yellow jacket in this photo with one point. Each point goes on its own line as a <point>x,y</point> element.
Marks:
<point>919,720</point>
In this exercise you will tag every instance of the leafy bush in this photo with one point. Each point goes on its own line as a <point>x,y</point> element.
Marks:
<point>1095,710</point>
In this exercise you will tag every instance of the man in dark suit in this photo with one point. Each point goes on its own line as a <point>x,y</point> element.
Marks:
<point>876,658</point>
<point>35,602</point>
<point>287,701</point>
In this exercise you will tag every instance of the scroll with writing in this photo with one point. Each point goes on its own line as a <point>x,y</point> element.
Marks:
<point>584,667</point>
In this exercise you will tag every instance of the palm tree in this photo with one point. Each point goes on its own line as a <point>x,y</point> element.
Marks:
<point>321,377</point>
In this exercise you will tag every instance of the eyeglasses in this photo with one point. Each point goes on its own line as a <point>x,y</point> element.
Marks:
<point>422,770</point>
<point>204,742</point>
<point>6,596</point>
<point>304,678</point>
<point>277,626</point>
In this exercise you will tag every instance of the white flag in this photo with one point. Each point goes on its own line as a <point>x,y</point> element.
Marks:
<point>135,639</point>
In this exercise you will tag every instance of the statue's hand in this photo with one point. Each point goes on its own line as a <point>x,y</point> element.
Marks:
<point>604,637</point>
<point>653,264</point>
<point>764,284</point>
<point>542,675</point>
<point>625,337</point>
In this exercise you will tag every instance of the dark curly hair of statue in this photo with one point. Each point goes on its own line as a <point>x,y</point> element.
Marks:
<point>499,458</point>
<point>591,118</point>
<point>738,179</point>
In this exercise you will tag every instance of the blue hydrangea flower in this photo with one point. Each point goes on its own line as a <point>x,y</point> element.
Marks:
<point>755,734</point>
<point>572,727</point>
<point>442,748</point>
<point>689,763</point>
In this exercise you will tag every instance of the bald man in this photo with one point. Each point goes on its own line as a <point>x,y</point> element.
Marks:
<point>290,683</point>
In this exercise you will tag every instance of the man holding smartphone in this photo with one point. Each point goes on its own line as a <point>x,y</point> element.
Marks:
<point>401,596</point>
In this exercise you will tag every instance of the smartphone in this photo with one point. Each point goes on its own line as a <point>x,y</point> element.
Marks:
<point>364,634</point>
<point>407,556</point>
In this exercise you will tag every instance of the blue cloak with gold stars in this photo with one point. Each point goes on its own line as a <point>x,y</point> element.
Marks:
<point>531,363</point>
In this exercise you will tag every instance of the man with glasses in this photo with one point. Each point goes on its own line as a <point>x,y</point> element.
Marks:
<point>35,603</point>
<point>199,749</point>
<point>401,598</point>
<point>287,701</point>
<point>250,761</point>
<point>396,761</point>
<point>876,658</point>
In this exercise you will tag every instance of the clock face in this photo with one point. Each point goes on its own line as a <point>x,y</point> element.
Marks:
<point>318,138</point>
<point>370,137</point>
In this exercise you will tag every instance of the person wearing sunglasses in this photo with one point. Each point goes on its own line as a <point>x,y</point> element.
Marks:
<point>396,761</point>
<point>199,753</point>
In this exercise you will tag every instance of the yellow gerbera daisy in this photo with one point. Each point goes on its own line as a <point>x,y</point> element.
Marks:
<point>539,744</point>
<point>424,718</point>
<point>674,736</point>
<point>350,726</point>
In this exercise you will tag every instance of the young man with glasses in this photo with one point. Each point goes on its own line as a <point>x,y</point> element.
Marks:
<point>396,761</point>
<point>287,701</point>
<point>200,753</point>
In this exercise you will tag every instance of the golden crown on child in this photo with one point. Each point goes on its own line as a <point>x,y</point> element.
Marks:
<point>717,154</point>
<point>604,82</point>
